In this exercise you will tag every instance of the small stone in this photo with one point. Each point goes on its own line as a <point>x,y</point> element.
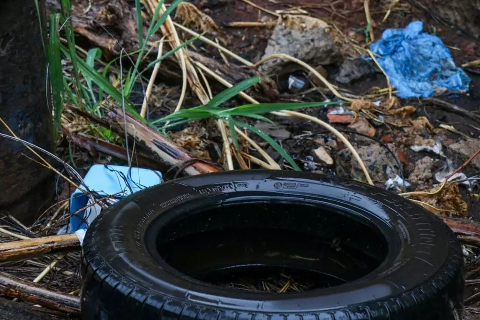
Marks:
<point>353,69</point>
<point>312,46</point>
<point>322,154</point>
<point>422,171</point>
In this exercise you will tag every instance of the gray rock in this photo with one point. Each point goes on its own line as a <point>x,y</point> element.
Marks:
<point>353,69</point>
<point>465,149</point>
<point>313,46</point>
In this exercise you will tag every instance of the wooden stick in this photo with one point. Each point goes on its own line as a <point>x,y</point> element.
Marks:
<point>48,268</point>
<point>26,249</point>
<point>151,142</point>
<point>463,226</point>
<point>250,24</point>
<point>17,288</point>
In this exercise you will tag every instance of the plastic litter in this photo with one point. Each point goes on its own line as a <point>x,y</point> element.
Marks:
<point>417,63</point>
<point>396,183</point>
<point>114,182</point>
<point>296,83</point>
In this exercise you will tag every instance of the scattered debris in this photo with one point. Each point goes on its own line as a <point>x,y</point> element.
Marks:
<point>396,184</point>
<point>340,115</point>
<point>421,144</point>
<point>417,63</point>
<point>297,83</point>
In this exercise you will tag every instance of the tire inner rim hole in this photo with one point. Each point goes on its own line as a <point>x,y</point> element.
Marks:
<point>270,245</point>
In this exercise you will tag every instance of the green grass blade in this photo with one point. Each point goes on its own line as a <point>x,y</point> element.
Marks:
<point>55,69</point>
<point>165,15</point>
<point>262,118</point>
<point>69,93</point>
<point>172,124</point>
<point>154,19</point>
<point>40,22</point>
<point>249,109</point>
<point>138,9</point>
<point>233,91</point>
<point>104,84</point>
<point>272,142</point>
<point>188,114</point>
<point>92,54</point>
<point>66,6</point>
<point>231,124</point>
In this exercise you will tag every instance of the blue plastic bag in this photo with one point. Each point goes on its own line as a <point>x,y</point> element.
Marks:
<point>418,63</point>
<point>115,182</point>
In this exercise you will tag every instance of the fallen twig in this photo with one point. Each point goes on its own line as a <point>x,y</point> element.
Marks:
<point>250,24</point>
<point>17,288</point>
<point>96,145</point>
<point>30,248</point>
<point>168,155</point>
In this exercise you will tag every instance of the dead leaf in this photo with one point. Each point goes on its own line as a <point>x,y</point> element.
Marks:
<point>397,121</point>
<point>402,157</point>
<point>361,104</point>
<point>191,17</point>
<point>448,198</point>
<point>422,123</point>
<point>322,154</point>
<point>403,112</point>
<point>192,139</point>
<point>363,126</point>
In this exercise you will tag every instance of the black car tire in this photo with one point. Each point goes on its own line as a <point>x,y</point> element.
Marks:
<point>148,256</point>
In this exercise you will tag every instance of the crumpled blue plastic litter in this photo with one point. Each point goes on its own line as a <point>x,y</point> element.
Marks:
<point>417,63</point>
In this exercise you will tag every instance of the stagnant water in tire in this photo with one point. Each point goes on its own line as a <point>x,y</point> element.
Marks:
<point>271,247</point>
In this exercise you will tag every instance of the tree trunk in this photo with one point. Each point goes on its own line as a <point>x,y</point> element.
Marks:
<point>25,186</point>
